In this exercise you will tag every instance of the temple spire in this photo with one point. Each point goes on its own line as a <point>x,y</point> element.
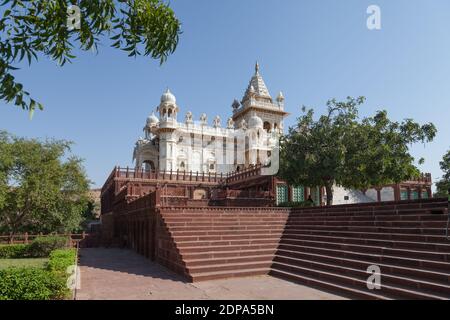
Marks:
<point>257,87</point>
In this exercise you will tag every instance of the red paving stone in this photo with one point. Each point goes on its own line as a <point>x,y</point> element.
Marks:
<point>116,274</point>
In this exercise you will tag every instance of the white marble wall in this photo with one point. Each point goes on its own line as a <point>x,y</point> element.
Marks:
<point>354,196</point>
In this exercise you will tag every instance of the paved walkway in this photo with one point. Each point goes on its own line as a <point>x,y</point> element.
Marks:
<point>122,274</point>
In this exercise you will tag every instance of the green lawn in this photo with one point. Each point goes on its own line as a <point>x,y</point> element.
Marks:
<point>35,262</point>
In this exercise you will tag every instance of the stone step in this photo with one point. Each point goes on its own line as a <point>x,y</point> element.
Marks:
<point>358,212</point>
<point>229,232</point>
<point>394,224</point>
<point>377,206</point>
<point>389,291</point>
<point>416,254</point>
<point>229,267</point>
<point>229,260</point>
<point>180,239</point>
<point>410,283</point>
<point>223,228</point>
<point>204,276</point>
<point>339,289</point>
<point>223,224</point>
<point>424,231</point>
<point>361,264</point>
<point>209,249</point>
<point>432,265</point>
<point>374,235</point>
<point>438,247</point>
<point>223,219</point>
<point>418,217</point>
<point>190,244</point>
<point>227,254</point>
<point>228,216</point>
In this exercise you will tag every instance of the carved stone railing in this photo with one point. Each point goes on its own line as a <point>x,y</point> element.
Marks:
<point>422,178</point>
<point>244,174</point>
<point>129,173</point>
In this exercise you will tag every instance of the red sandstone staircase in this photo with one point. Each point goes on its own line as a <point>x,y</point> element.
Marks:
<point>332,250</point>
<point>224,243</point>
<point>329,248</point>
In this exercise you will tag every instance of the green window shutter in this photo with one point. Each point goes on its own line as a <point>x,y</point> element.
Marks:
<point>424,195</point>
<point>282,193</point>
<point>414,195</point>
<point>403,195</point>
<point>298,194</point>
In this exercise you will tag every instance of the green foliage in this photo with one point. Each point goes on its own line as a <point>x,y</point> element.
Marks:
<point>339,148</point>
<point>301,204</point>
<point>443,185</point>
<point>14,251</point>
<point>39,27</point>
<point>61,259</point>
<point>40,247</point>
<point>43,246</point>
<point>31,284</point>
<point>43,188</point>
<point>23,263</point>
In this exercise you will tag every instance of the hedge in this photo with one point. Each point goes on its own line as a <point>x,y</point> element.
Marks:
<point>14,251</point>
<point>38,248</point>
<point>60,260</point>
<point>42,246</point>
<point>31,284</point>
<point>36,283</point>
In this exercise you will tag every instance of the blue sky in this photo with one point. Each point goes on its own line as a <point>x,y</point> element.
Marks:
<point>311,50</point>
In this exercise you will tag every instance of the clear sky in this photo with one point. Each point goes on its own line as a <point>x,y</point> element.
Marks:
<point>311,50</point>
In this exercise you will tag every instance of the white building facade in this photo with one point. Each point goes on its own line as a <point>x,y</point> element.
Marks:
<point>246,138</point>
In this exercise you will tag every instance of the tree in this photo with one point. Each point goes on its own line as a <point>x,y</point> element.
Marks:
<point>443,185</point>
<point>43,188</point>
<point>339,148</point>
<point>41,27</point>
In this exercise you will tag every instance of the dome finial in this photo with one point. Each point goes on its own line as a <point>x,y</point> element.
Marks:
<point>168,97</point>
<point>256,67</point>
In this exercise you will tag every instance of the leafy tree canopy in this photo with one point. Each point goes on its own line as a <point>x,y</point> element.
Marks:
<point>43,188</point>
<point>340,148</point>
<point>443,185</point>
<point>29,28</point>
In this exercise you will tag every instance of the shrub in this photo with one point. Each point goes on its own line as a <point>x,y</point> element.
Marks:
<point>31,284</point>
<point>42,246</point>
<point>60,260</point>
<point>14,251</point>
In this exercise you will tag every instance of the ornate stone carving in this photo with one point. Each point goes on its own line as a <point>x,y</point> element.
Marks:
<point>235,105</point>
<point>188,117</point>
<point>216,122</point>
<point>203,119</point>
<point>230,123</point>
<point>243,124</point>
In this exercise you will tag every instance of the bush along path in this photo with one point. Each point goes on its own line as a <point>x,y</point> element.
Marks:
<point>34,283</point>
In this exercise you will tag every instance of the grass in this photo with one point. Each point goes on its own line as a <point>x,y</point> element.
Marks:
<point>34,262</point>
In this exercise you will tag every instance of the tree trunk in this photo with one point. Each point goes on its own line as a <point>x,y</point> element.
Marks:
<point>11,237</point>
<point>329,190</point>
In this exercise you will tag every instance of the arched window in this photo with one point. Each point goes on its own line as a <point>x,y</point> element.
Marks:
<point>182,165</point>
<point>169,114</point>
<point>148,165</point>
<point>211,166</point>
<point>267,126</point>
